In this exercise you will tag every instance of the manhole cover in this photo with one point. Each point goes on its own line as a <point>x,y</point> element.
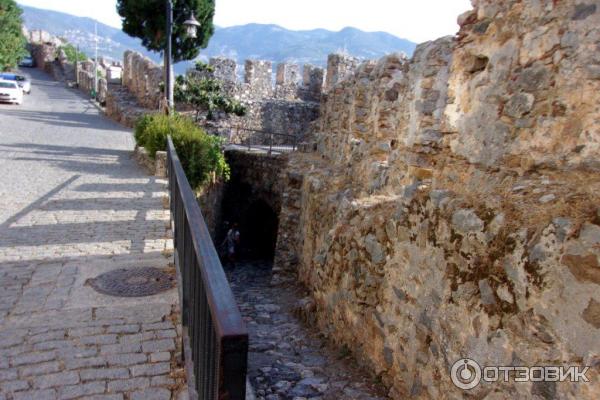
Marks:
<point>133,282</point>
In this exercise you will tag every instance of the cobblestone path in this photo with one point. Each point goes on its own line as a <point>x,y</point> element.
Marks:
<point>287,359</point>
<point>73,204</point>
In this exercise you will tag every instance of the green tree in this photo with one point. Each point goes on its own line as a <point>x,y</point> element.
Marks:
<point>205,93</point>
<point>12,40</point>
<point>146,19</point>
<point>72,53</point>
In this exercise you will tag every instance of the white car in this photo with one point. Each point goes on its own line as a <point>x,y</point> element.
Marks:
<point>21,80</point>
<point>10,92</point>
<point>24,83</point>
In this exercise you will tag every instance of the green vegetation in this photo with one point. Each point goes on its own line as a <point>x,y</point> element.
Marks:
<point>205,94</point>
<point>201,154</point>
<point>12,40</point>
<point>72,53</point>
<point>145,19</point>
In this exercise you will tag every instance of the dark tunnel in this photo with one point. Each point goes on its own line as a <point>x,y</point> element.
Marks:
<point>257,223</point>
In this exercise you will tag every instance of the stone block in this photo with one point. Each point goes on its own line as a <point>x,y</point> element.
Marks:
<point>55,380</point>
<point>82,390</point>
<point>339,66</point>
<point>160,167</point>
<point>225,69</point>
<point>258,73</point>
<point>103,373</point>
<point>151,369</point>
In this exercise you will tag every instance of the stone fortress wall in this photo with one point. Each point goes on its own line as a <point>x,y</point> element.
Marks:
<point>142,78</point>
<point>285,105</point>
<point>46,51</point>
<point>449,204</point>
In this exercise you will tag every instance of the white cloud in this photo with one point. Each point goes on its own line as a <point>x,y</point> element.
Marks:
<point>417,20</point>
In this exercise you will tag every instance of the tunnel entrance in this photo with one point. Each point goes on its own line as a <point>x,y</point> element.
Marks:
<point>258,229</point>
<point>256,219</point>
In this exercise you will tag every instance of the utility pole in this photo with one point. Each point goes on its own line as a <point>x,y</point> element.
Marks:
<point>96,63</point>
<point>191,31</point>
<point>169,82</point>
<point>77,65</point>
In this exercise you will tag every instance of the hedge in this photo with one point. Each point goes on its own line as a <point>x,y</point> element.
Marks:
<point>200,153</point>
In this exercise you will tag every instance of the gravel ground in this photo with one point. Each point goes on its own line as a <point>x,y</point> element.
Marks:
<point>289,360</point>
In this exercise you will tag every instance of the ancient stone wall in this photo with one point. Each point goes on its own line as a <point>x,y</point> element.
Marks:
<point>44,55</point>
<point>260,172</point>
<point>285,106</point>
<point>285,103</point>
<point>339,67</point>
<point>38,36</point>
<point>86,82</point>
<point>142,78</point>
<point>210,200</point>
<point>43,47</point>
<point>252,198</point>
<point>451,206</point>
<point>45,50</point>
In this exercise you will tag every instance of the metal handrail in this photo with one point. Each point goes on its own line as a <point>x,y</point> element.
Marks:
<point>217,335</point>
<point>295,139</point>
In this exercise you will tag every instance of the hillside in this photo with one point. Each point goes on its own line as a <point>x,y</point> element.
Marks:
<point>268,42</point>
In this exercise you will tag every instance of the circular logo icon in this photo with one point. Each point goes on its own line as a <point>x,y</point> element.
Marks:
<point>465,374</point>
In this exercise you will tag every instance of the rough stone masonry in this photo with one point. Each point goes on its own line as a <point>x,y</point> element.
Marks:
<point>285,108</point>
<point>450,206</point>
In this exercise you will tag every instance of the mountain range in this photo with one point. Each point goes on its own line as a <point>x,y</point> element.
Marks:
<point>256,41</point>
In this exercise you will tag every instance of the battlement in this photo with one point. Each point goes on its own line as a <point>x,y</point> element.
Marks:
<point>142,77</point>
<point>39,37</point>
<point>260,82</point>
<point>284,99</point>
<point>290,81</point>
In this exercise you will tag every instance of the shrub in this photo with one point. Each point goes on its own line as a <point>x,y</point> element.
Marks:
<point>200,153</point>
<point>206,94</point>
<point>72,53</point>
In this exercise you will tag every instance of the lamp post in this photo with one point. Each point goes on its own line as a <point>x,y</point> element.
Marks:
<point>96,63</point>
<point>191,27</point>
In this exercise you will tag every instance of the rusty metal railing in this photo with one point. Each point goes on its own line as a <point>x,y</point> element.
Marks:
<point>215,337</point>
<point>264,140</point>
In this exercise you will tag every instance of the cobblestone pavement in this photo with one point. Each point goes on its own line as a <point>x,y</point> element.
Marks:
<point>288,360</point>
<point>73,205</point>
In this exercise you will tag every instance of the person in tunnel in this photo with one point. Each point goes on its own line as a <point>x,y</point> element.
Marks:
<point>232,240</point>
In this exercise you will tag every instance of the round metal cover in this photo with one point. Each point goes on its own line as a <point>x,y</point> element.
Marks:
<point>133,282</point>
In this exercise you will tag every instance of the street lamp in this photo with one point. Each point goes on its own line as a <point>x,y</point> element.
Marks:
<point>191,28</point>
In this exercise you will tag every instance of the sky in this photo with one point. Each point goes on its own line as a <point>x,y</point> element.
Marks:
<point>416,20</point>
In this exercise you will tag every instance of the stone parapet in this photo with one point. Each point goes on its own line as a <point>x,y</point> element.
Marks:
<point>448,206</point>
<point>143,79</point>
<point>156,166</point>
<point>259,82</point>
<point>339,66</point>
<point>282,104</point>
